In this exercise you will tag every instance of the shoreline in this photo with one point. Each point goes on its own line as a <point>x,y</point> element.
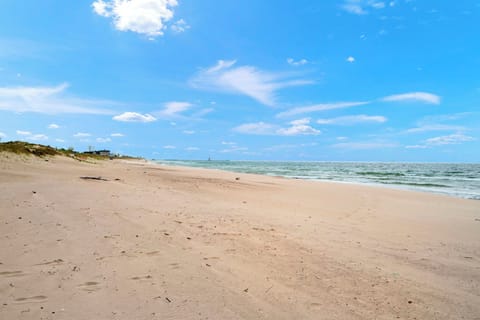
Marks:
<point>154,241</point>
<point>396,186</point>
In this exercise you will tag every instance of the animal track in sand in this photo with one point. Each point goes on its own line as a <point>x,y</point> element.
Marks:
<point>56,261</point>
<point>11,274</point>
<point>90,286</point>
<point>141,277</point>
<point>31,299</point>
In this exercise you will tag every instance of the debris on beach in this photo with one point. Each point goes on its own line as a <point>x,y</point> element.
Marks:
<point>93,178</point>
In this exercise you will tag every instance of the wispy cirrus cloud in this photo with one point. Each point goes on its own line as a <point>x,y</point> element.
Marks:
<point>319,107</point>
<point>295,128</point>
<point>134,117</point>
<point>256,128</point>
<point>450,139</point>
<point>424,97</point>
<point>38,137</point>
<point>50,100</point>
<point>297,63</point>
<point>366,145</point>
<point>435,127</point>
<point>455,138</point>
<point>103,140</point>
<point>353,119</point>
<point>32,136</point>
<point>257,84</point>
<point>147,17</point>
<point>362,7</point>
<point>174,108</point>
<point>23,133</point>
<point>180,26</point>
<point>82,135</point>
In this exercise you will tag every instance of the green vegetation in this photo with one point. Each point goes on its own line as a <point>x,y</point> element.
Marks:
<point>25,148</point>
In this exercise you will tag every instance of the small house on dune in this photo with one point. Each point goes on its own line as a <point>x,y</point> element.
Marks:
<point>106,153</point>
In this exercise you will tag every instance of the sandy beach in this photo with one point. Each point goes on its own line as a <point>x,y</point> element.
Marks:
<point>155,242</point>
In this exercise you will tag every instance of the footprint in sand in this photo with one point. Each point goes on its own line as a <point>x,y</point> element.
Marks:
<point>174,265</point>
<point>11,274</point>
<point>142,277</point>
<point>31,299</point>
<point>90,286</point>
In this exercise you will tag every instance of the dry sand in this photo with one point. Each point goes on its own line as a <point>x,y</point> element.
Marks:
<point>155,242</point>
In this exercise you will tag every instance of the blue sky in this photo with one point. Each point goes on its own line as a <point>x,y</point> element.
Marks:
<point>348,80</point>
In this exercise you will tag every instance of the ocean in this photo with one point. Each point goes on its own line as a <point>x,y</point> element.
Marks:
<point>454,179</point>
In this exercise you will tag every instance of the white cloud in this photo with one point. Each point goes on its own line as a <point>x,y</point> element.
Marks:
<point>300,122</point>
<point>2,135</point>
<point>188,132</point>
<point>60,140</point>
<point>455,138</point>
<point>147,17</point>
<point>247,80</point>
<point>169,147</point>
<point>349,120</point>
<point>134,117</point>
<point>360,7</point>
<point>435,127</point>
<point>103,140</point>
<point>49,100</point>
<point>31,136</point>
<point>424,97</point>
<point>37,137</point>
<point>257,128</point>
<point>202,112</point>
<point>299,127</point>
<point>364,145</point>
<point>81,135</point>
<point>192,149</point>
<point>53,126</point>
<point>117,135</point>
<point>294,63</point>
<point>350,59</point>
<point>228,143</point>
<point>319,107</point>
<point>180,26</point>
<point>233,149</point>
<point>354,8</point>
<point>173,108</point>
<point>377,4</point>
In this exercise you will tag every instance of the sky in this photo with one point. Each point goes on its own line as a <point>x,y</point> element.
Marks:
<point>343,80</point>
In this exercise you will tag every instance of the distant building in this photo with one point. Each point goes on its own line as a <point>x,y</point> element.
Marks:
<point>99,153</point>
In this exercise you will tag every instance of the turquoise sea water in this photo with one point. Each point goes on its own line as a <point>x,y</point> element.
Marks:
<point>455,179</point>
